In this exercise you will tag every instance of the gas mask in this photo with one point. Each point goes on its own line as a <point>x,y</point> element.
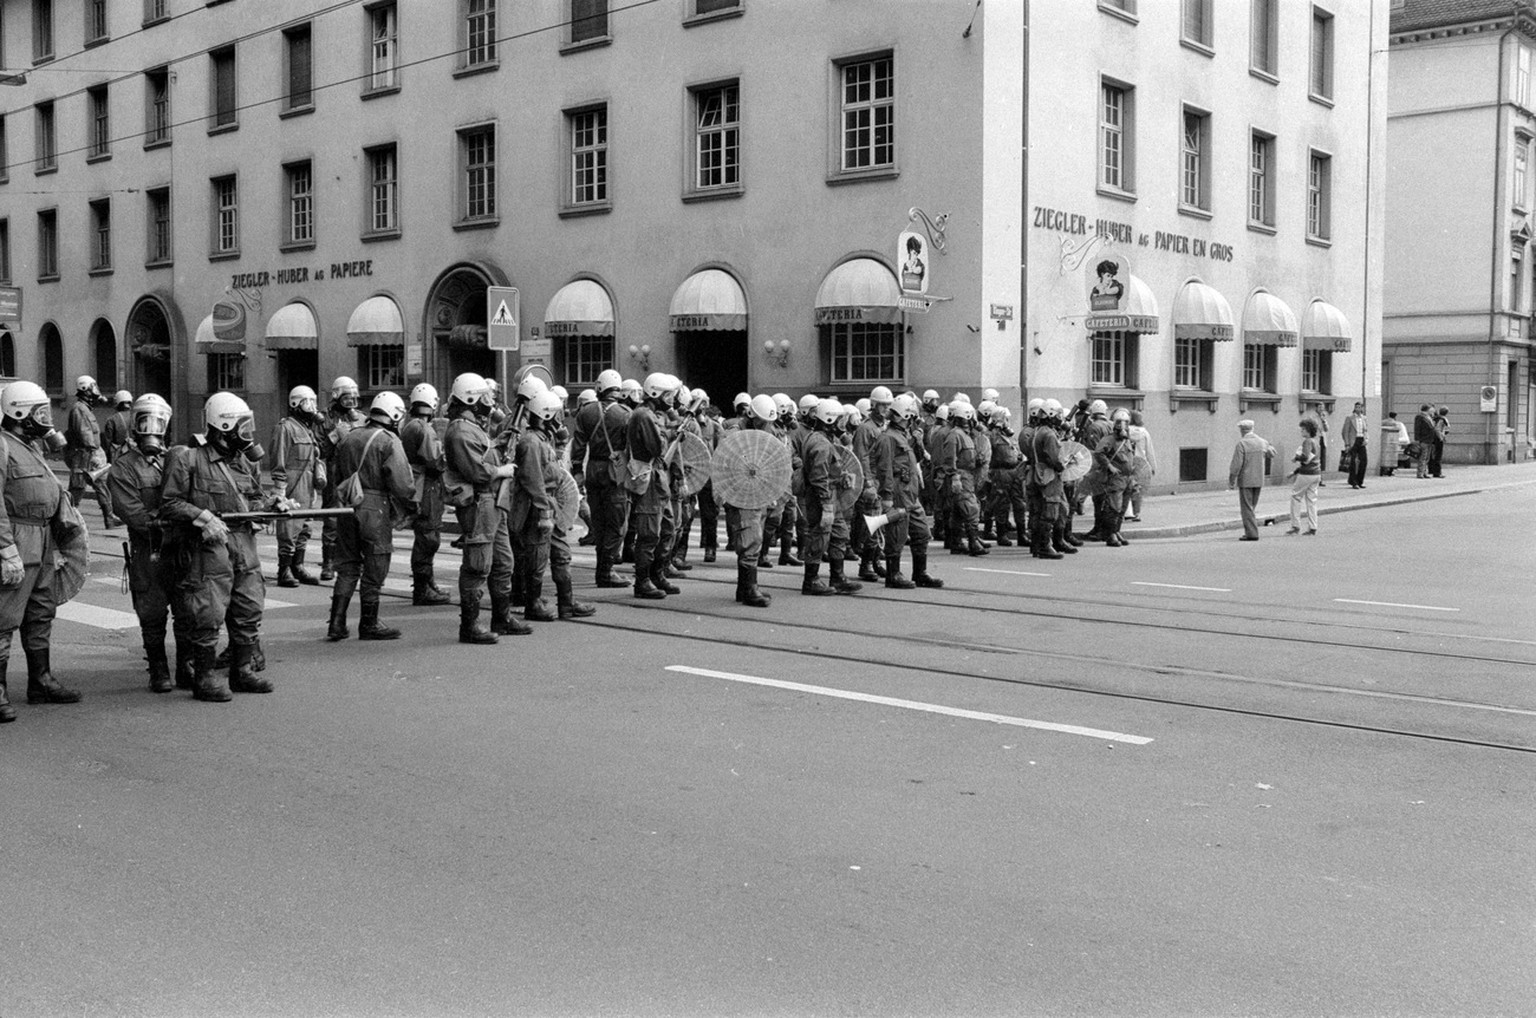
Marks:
<point>238,439</point>
<point>149,432</point>
<point>39,424</point>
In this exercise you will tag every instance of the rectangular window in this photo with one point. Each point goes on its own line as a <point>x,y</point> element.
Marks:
<point>221,99</point>
<point>1193,463</point>
<point>865,352</point>
<point>1317,371</point>
<point>100,142</point>
<point>42,30</point>
<point>1259,367</point>
<point>1109,359</point>
<point>383,190</point>
<point>583,358</point>
<point>1515,279</point>
<point>1261,180</point>
<point>5,151</point>
<point>1196,27</point>
<point>226,372</point>
<point>381,367</point>
<point>95,21</point>
<point>299,185</point>
<point>868,114</point>
<point>1319,196</point>
<point>157,106</point>
<point>158,226</point>
<point>1511,395</point>
<point>1195,166</point>
<point>589,20</point>
<point>1263,40</point>
<point>589,156</point>
<point>704,7</point>
<point>479,33</point>
<point>1186,364</point>
<point>101,235</point>
<point>1127,6</point>
<point>383,46</point>
<point>717,137</point>
<point>154,10</point>
<point>5,250</point>
<point>1523,76</point>
<point>1116,137</point>
<point>477,157</point>
<point>226,216</point>
<point>1519,191</point>
<point>48,244</point>
<point>1321,82</point>
<point>47,158</point>
<point>299,57</point>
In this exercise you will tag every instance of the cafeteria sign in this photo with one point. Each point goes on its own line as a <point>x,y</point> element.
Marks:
<point>1109,291</point>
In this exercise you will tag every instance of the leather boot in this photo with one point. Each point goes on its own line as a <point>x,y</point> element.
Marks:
<point>470,630</point>
<point>537,609</point>
<point>41,686</point>
<point>708,542</point>
<point>258,656</point>
<point>867,568</point>
<point>285,577</point>
<point>920,575</point>
<point>893,577</point>
<point>1057,540</point>
<point>327,567</point>
<point>1044,531</point>
<point>159,667</point>
<point>840,582</point>
<point>301,574</point>
<point>605,577</point>
<point>370,629</point>
<point>341,602</point>
<point>787,555</point>
<point>7,712</point>
<point>973,545</point>
<point>206,683</point>
<point>186,664</point>
<point>576,610</point>
<point>746,588</point>
<point>813,583</point>
<point>424,594</point>
<point>433,587</point>
<point>504,620</point>
<point>659,577</point>
<point>878,564</point>
<point>242,677</point>
<point>763,559</point>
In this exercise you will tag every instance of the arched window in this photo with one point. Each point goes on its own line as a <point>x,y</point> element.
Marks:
<point>53,359</point>
<point>106,355</point>
<point>7,354</point>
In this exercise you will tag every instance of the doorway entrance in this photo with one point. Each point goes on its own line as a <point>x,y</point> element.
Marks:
<point>715,362</point>
<point>150,340</point>
<point>456,321</point>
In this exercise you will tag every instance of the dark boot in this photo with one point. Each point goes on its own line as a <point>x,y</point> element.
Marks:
<point>920,575</point>
<point>327,567</point>
<point>470,630</point>
<point>537,609</point>
<point>867,568</point>
<point>341,601</point>
<point>973,545</point>
<point>746,588</point>
<point>576,610</point>
<point>186,664</point>
<point>839,581</point>
<point>285,577</point>
<point>242,676</point>
<point>763,559</point>
<point>206,683</point>
<point>813,583</point>
<point>878,565</point>
<point>605,577</point>
<point>424,594</point>
<point>1056,538</point>
<point>504,620</point>
<point>659,577</point>
<point>301,574</point>
<point>159,667</point>
<point>893,577</point>
<point>41,686</point>
<point>787,555</point>
<point>433,587</point>
<point>1044,529</point>
<point>258,656</point>
<point>645,589</point>
<point>370,629</point>
<point>7,712</point>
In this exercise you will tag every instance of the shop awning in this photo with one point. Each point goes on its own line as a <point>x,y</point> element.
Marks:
<point>293,328</point>
<point>1324,327</point>
<point>579,308</point>
<point>709,301</point>
<point>376,322</point>
<point>859,290</point>
<point>1201,312</point>
<point>207,341</point>
<point>1268,321</point>
<point>1139,314</point>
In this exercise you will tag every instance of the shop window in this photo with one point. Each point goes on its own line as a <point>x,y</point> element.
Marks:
<point>99,144</point>
<point>47,245</point>
<point>222,114</point>
<point>298,52</point>
<point>1192,364</point>
<point>381,367</point>
<point>225,227</point>
<point>101,235</point>
<point>582,358</point>
<point>865,352</point>
<point>1259,367</point>
<point>479,21</point>
<point>157,107</point>
<point>1115,356</point>
<point>1317,371</point>
<point>226,372</point>
<point>383,47</point>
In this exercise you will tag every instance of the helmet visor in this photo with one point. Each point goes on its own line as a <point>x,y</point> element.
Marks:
<point>151,422</point>
<point>245,429</point>
<point>42,416</point>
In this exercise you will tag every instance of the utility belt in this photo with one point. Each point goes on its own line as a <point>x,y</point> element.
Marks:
<point>28,521</point>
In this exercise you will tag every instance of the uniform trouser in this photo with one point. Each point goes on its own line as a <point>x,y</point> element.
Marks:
<point>826,533</point>
<point>560,566</point>
<point>364,543</point>
<point>1046,509</point>
<point>152,584</point>
<point>292,536</point>
<point>745,527</point>
<point>426,530</point>
<point>1357,463</point>
<point>787,519</point>
<point>487,551</point>
<point>79,480</point>
<point>610,507</point>
<point>517,541</point>
<point>1109,509</point>
<point>224,584</point>
<point>31,605</point>
<point>773,518</point>
<point>709,519</point>
<point>910,531</point>
<point>328,526</point>
<point>685,509</point>
<point>654,531</point>
<point>533,559</point>
<point>964,510</point>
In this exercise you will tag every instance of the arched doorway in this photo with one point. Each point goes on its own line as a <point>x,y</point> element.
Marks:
<point>7,354</point>
<point>52,357</point>
<point>152,338</point>
<point>709,316</point>
<point>104,346</point>
<point>456,323</point>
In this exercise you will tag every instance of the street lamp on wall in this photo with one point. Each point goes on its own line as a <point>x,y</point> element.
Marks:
<point>777,353</point>
<point>642,354</point>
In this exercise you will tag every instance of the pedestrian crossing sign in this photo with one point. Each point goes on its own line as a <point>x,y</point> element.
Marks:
<point>502,313</point>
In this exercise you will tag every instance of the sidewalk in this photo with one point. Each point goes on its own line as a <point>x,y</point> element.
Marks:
<point>1205,511</point>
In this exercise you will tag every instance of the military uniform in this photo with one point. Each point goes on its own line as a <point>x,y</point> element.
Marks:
<point>1006,475</point>
<point>365,540</point>
<point>471,459</point>
<point>296,473</point>
<point>135,481</point>
<point>424,452</point>
<point>535,511</point>
<point>1115,460</point>
<point>898,480</point>
<point>116,436</point>
<point>337,423</point>
<point>868,548</point>
<point>83,455</point>
<point>652,508</point>
<point>601,437</point>
<point>1047,494</point>
<point>826,528</point>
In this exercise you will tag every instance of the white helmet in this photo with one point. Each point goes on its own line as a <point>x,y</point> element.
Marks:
<point>1053,409</point>
<point>631,390</point>
<point>342,390</point>
<point>1036,405</point>
<point>828,411</point>
<point>657,384</point>
<point>22,400</point>
<point>387,408</point>
<point>852,418</point>
<point>85,383</point>
<point>470,389</point>
<point>530,386</point>
<point>700,398</point>
<point>229,414</point>
<point>586,396</point>
<point>941,413</point>
<point>960,397</point>
<point>991,394</point>
<point>151,415</point>
<point>122,399</point>
<point>862,406</point>
<point>930,395</point>
<point>545,405</point>
<point>881,395</point>
<point>608,379</point>
<point>426,395</point>
<point>984,408</point>
<point>904,406</point>
<point>1098,408</point>
<point>810,401</point>
<point>785,405</point>
<point>302,397</point>
<point>961,411</point>
<point>763,407</point>
<point>560,391</point>
<point>741,401</point>
<point>1001,416</point>
<point>1121,414</point>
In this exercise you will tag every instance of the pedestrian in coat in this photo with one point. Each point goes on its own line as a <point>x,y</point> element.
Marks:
<point>1251,460</point>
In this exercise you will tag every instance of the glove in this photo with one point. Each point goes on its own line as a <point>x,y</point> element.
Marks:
<point>319,474</point>
<point>285,505</point>
<point>885,505</point>
<point>11,569</point>
<point>546,525</point>
<point>506,470</point>
<point>215,530</point>
<point>954,484</point>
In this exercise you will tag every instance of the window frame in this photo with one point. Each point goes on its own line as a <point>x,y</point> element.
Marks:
<point>155,256</point>
<point>48,244</point>
<point>154,12</point>
<point>601,165</point>
<point>1266,370</point>
<point>1262,187</point>
<point>371,184</point>
<point>465,219</point>
<point>45,156</point>
<point>5,148</point>
<point>225,371</point>
<point>838,170</point>
<point>217,60</point>
<point>1320,64</point>
<point>1201,364</point>
<point>99,123</point>
<point>375,376</point>
<point>694,189</point>
<point>1205,39</point>
<point>832,333</point>
<point>1522,73</point>
<point>224,216</point>
<point>300,206</point>
<point>593,354</point>
<point>487,16</point>
<point>5,250</point>
<point>570,41</point>
<point>298,69</point>
<point>371,84</point>
<point>157,101</point>
<point>1265,64</point>
<point>1120,355</point>
<point>1122,132</point>
<point>1319,227</point>
<point>95,23</point>
<point>101,236</point>
<point>44,38</point>
<point>1316,367</point>
<point>1122,9</point>
<point>727,9</point>
<point>1201,205</point>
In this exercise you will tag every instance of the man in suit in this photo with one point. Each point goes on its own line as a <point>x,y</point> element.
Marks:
<point>1250,466</point>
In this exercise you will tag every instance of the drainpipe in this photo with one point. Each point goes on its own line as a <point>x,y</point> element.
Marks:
<point>1499,226</point>
<point>1365,296</point>
<point>1024,308</point>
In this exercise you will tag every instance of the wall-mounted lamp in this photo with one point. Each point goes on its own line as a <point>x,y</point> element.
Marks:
<point>777,353</point>
<point>641,354</point>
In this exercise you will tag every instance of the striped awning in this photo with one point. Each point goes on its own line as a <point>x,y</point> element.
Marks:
<point>579,308</point>
<point>859,290</point>
<point>1269,321</point>
<point>709,301</point>
<point>293,328</point>
<point>1324,327</point>
<point>376,322</point>
<point>1201,312</point>
<point>1140,313</point>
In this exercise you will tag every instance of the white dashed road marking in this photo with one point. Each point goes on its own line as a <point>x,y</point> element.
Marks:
<point>1393,604</point>
<point>1180,586</point>
<point>1005,572</point>
<point>93,615</point>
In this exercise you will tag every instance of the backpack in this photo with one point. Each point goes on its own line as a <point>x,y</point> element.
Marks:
<point>349,490</point>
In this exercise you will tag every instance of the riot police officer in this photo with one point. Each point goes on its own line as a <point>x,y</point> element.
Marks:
<point>424,452</point>
<point>536,514</point>
<point>826,530</point>
<point>654,523</point>
<point>365,540</point>
<point>34,512</point>
<point>746,526</point>
<point>116,435</point>
<point>82,451</point>
<point>1045,489</point>
<point>600,446</point>
<point>875,409</point>
<point>297,473</point>
<point>473,469</point>
<point>340,417</point>
<point>896,472</point>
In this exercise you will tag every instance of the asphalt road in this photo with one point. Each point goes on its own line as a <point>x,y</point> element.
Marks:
<point>1199,777</point>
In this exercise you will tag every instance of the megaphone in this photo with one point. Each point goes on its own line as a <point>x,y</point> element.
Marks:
<point>874,523</point>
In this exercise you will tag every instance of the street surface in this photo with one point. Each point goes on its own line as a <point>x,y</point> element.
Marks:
<point>1193,776</point>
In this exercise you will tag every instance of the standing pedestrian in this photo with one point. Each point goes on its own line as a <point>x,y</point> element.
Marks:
<point>83,453</point>
<point>1305,478</point>
<point>1425,435</point>
<point>1250,466</point>
<point>1353,436</point>
<point>1442,428</point>
<point>1146,463</point>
